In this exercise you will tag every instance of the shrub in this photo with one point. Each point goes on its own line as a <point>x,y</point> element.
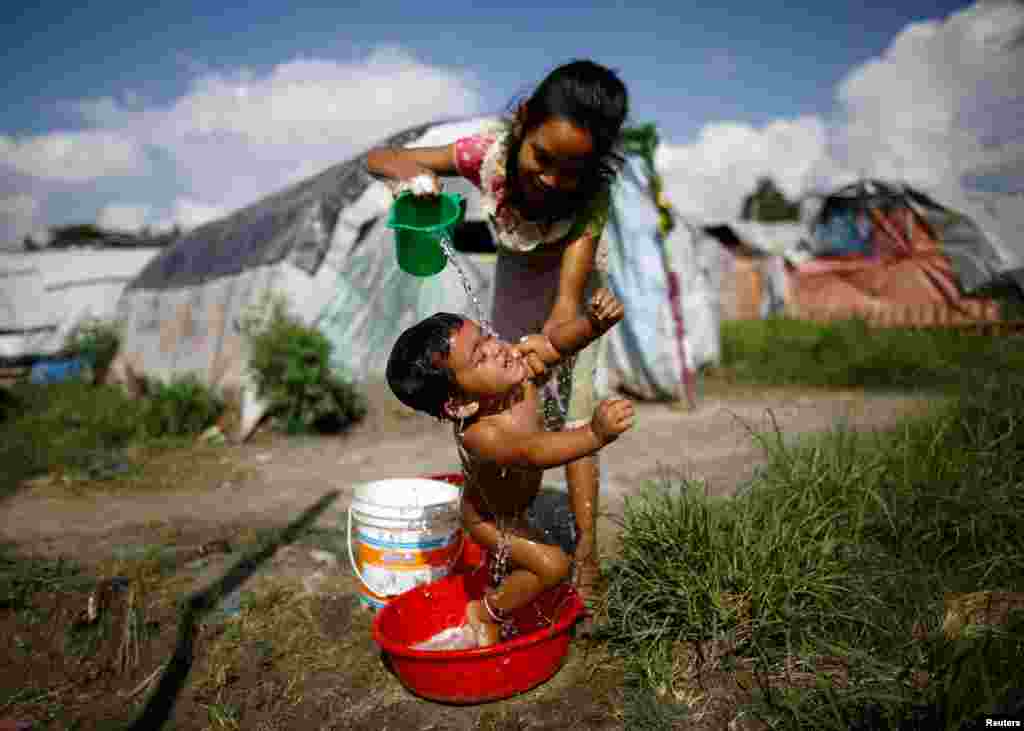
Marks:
<point>96,342</point>
<point>290,362</point>
<point>183,406</point>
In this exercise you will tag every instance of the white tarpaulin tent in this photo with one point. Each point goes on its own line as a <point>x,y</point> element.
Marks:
<point>45,294</point>
<point>324,243</point>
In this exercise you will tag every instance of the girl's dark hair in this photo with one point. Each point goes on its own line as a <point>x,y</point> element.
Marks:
<point>590,96</point>
<point>415,369</point>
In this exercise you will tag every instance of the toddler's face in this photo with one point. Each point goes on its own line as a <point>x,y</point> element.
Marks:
<point>482,366</point>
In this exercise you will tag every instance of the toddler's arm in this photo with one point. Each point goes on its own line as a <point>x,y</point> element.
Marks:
<point>544,449</point>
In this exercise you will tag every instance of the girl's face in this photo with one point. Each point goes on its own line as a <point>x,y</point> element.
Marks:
<point>552,161</point>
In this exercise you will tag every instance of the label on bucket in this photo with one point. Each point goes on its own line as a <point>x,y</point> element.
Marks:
<point>386,581</point>
<point>372,555</point>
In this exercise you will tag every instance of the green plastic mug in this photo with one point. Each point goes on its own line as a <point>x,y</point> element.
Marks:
<point>419,223</point>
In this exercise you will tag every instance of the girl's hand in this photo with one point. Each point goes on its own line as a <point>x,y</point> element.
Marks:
<point>538,352</point>
<point>424,183</point>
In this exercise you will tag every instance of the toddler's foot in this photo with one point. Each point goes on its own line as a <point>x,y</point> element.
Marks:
<point>487,632</point>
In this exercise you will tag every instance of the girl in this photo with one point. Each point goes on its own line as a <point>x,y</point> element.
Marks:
<point>544,176</point>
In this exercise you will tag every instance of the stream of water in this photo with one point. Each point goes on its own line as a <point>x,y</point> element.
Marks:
<point>449,251</point>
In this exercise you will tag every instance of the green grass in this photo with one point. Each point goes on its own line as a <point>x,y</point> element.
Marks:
<point>844,542</point>
<point>82,430</point>
<point>21,577</point>
<point>849,354</point>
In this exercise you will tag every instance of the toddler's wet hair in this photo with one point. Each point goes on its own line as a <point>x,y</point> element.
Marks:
<point>415,369</point>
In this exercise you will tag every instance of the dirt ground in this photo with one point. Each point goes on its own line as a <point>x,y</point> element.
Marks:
<point>294,649</point>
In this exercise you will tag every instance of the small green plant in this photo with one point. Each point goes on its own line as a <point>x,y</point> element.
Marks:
<point>290,362</point>
<point>184,406</point>
<point>96,342</point>
<point>21,577</point>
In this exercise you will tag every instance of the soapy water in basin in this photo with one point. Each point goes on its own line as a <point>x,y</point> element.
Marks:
<point>451,639</point>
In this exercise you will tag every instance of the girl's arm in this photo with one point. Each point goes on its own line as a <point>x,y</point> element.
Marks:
<point>577,264</point>
<point>603,312</point>
<point>404,163</point>
<point>565,328</point>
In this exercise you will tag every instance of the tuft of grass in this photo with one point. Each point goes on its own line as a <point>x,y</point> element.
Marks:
<point>21,577</point>
<point>849,354</point>
<point>842,547</point>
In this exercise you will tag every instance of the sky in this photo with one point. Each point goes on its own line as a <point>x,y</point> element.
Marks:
<point>178,113</point>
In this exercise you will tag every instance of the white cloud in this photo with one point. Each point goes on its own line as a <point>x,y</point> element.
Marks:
<point>928,110</point>
<point>73,157</point>
<point>190,213</point>
<point>709,179</point>
<point>124,217</point>
<point>945,99</point>
<point>187,213</point>
<point>236,136</point>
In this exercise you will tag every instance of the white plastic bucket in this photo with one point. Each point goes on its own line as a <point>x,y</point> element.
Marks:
<point>407,532</point>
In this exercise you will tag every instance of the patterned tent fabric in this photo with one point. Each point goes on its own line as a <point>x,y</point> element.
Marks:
<point>906,271</point>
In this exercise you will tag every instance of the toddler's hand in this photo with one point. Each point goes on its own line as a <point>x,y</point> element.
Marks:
<point>604,310</point>
<point>612,418</point>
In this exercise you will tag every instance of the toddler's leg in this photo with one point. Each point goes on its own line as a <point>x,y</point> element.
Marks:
<point>537,567</point>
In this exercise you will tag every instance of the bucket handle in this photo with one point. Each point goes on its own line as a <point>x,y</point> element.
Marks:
<point>355,565</point>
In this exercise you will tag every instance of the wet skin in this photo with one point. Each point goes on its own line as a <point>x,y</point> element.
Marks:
<point>492,373</point>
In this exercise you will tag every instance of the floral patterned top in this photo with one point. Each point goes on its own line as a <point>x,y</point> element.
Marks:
<point>481,159</point>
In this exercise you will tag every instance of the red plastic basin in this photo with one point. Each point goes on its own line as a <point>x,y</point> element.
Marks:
<point>486,673</point>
